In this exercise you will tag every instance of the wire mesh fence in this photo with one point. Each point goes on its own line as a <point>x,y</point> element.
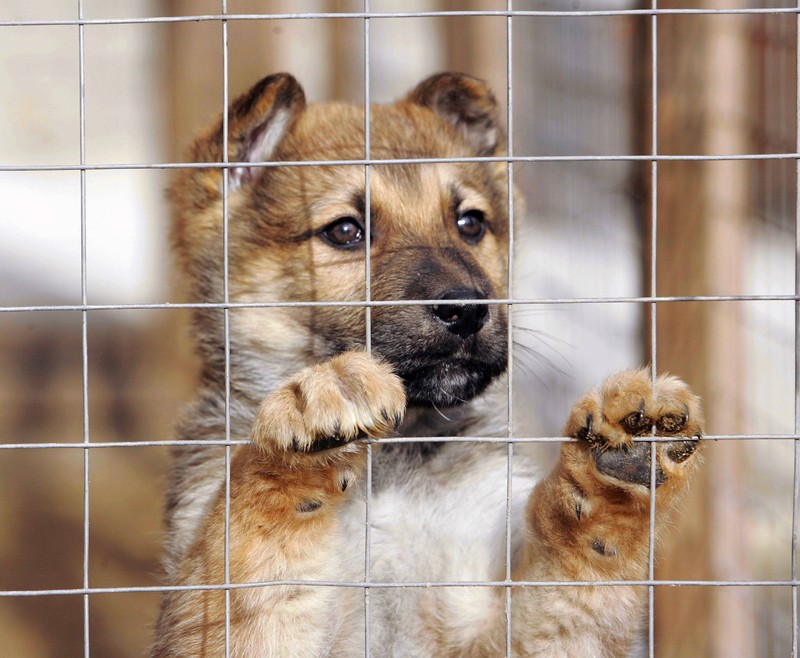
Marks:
<point>690,110</point>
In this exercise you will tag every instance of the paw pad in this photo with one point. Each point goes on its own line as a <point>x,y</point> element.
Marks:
<point>629,406</point>
<point>672,423</point>
<point>680,451</point>
<point>308,506</point>
<point>637,422</point>
<point>600,547</point>
<point>629,464</point>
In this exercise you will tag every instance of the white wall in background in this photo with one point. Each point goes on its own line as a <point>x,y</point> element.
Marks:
<point>40,235</point>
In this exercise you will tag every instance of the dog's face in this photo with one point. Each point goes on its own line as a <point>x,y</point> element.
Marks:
<point>439,232</point>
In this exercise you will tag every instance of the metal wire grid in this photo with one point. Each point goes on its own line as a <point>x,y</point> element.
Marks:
<point>84,333</point>
<point>226,332</point>
<point>796,476</point>
<point>367,323</point>
<point>653,316</point>
<point>652,300</point>
<point>366,14</point>
<point>510,283</point>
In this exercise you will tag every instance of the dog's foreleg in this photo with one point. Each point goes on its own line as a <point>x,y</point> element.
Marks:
<point>588,520</point>
<point>286,489</point>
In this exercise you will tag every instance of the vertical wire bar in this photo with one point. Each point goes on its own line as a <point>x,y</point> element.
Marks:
<point>510,191</point>
<point>653,318</point>
<point>796,476</point>
<point>226,332</point>
<point>368,329</point>
<point>84,328</point>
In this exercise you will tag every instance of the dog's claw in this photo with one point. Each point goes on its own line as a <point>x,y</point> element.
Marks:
<point>327,443</point>
<point>585,432</point>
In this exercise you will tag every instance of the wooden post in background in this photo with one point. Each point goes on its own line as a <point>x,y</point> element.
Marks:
<point>702,206</point>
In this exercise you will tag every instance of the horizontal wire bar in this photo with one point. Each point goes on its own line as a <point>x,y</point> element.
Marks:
<point>78,591</point>
<point>398,439</point>
<point>402,302</point>
<point>588,13</point>
<point>136,166</point>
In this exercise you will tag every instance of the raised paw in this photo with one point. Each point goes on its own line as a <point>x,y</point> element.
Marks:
<point>330,404</point>
<point>628,406</point>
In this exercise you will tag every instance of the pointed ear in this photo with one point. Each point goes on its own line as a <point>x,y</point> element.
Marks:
<point>257,122</point>
<point>465,102</point>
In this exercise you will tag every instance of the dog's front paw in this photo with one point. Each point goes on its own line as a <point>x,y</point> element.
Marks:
<point>627,406</point>
<point>330,404</point>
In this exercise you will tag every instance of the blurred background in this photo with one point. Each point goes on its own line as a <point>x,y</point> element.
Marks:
<point>581,87</point>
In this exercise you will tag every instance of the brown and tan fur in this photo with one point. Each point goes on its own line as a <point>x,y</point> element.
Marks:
<point>304,391</point>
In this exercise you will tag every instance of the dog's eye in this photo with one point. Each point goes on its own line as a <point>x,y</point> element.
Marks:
<point>344,232</point>
<point>471,225</point>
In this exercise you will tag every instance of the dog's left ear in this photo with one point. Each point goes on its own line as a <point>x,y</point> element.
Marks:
<point>465,102</point>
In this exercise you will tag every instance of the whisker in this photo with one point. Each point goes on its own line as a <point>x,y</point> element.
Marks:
<point>439,411</point>
<point>542,336</point>
<point>455,397</point>
<point>527,368</point>
<point>545,340</point>
<point>528,310</point>
<point>541,358</point>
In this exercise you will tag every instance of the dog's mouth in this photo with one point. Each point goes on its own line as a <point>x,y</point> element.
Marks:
<point>439,366</point>
<point>447,381</point>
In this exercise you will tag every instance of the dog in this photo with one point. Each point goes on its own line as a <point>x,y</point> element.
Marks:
<point>306,389</point>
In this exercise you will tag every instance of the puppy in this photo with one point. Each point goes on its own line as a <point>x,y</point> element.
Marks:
<point>305,392</point>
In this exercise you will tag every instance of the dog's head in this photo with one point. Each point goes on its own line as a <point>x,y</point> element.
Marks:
<point>439,232</point>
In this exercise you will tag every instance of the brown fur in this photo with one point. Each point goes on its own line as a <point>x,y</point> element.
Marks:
<point>304,391</point>
<point>586,525</point>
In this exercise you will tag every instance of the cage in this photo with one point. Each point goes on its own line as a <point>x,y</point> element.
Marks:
<point>656,145</point>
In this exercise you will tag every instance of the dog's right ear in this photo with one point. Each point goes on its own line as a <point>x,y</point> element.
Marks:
<point>257,122</point>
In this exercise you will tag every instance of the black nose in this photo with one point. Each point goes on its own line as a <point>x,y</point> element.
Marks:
<point>462,319</point>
